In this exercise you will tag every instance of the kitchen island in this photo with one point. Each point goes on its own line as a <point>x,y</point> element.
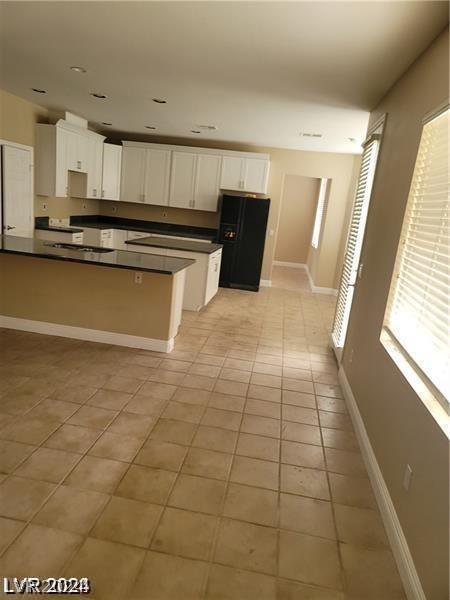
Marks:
<point>98,294</point>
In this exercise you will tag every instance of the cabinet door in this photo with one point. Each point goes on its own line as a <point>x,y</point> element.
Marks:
<point>77,151</point>
<point>212,284</point>
<point>157,175</point>
<point>112,163</point>
<point>61,163</point>
<point>207,182</point>
<point>233,173</point>
<point>133,173</point>
<point>182,180</point>
<point>17,191</point>
<point>256,172</point>
<point>94,167</point>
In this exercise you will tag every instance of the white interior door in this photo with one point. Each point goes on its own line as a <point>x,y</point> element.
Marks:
<point>17,198</point>
<point>354,242</point>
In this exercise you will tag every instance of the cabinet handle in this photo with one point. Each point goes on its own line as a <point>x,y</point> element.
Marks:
<point>67,189</point>
<point>94,192</point>
<point>78,164</point>
<point>103,193</point>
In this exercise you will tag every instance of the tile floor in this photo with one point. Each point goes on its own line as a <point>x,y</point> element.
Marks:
<point>227,470</point>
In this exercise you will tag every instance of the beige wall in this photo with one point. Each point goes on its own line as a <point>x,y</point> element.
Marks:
<point>88,296</point>
<point>297,211</point>
<point>400,428</point>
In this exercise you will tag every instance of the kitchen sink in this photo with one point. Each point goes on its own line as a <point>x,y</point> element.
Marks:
<point>79,247</point>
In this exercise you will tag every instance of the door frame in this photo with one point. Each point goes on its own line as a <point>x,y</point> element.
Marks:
<point>20,147</point>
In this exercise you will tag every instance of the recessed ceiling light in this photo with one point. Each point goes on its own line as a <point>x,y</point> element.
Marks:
<point>100,96</point>
<point>159,101</point>
<point>105,123</point>
<point>78,69</point>
<point>209,127</point>
<point>149,127</point>
<point>38,91</point>
<point>351,139</point>
<point>195,131</point>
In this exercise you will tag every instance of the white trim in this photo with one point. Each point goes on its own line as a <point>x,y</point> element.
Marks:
<point>316,289</point>
<point>293,265</point>
<point>16,145</point>
<point>91,335</point>
<point>397,539</point>
<point>265,283</point>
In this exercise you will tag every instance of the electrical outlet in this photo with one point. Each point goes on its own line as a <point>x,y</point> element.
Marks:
<point>44,206</point>
<point>350,356</point>
<point>84,205</point>
<point>114,209</point>
<point>138,278</point>
<point>164,214</point>
<point>407,477</point>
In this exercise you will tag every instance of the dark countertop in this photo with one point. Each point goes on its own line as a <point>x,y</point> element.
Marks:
<point>119,259</point>
<point>106,222</point>
<point>60,229</point>
<point>186,245</point>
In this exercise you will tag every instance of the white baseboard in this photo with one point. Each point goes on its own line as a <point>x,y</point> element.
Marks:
<point>399,545</point>
<point>316,289</point>
<point>293,265</point>
<point>91,335</point>
<point>265,283</point>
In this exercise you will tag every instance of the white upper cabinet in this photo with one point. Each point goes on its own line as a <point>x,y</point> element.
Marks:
<point>157,177</point>
<point>133,173</point>
<point>182,180</point>
<point>245,174</point>
<point>112,164</point>
<point>207,182</point>
<point>94,166</point>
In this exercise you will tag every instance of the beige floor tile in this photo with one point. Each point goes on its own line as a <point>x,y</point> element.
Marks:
<point>192,396</point>
<point>302,374</point>
<point>113,400</point>
<point>235,388</point>
<point>345,463</point>
<point>213,438</point>
<point>20,498</point>
<point>132,424</point>
<point>181,366</point>
<point>352,491</point>
<point>309,559</point>
<point>198,494</point>
<point>370,574</point>
<point>252,471</point>
<point>71,509</point>
<point>299,399</point>
<point>127,521</point>
<point>252,504</point>
<point>226,583</point>
<point>48,464</point>
<point>146,405</point>
<point>261,392</point>
<point>263,409</point>
<point>199,382</point>
<point>123,384</point>
<point>9,529</point>
<point>204,370</point>
<point>335,420</point>
<point>330,391</point>
<point>341,440</point>
<point>116,447</point>
<point>266,380</point>
<point>266,369</point>
<point>6,419</point>
<point>163,391</point>
<point>133,371</point>
<point>227,402</point>
<point>92,416</point>
<point>12,454</point>
<point>166,577</point>
<point>207,463</point>
<point>178,432</point>
<point>161,455</point>
<point>302,455</point>
<point>235,375</point>
<point>55,410</point>
<point>165,376</point>
<point>29,430</point>
<point>305,482</point>
<point>300,414</point>
<point>235,363</point>
<point>37,386</point>
<point>247,546</point>
<point>185,533</point>
<point>331,404</point>
<point>260,426</point>
<point>73,438</point>
<point>180,411</point>
<point>257,446</point>
<point>360,526</point>
<point>25,555</point>
<point>209,359</point>
<point>110,567</point>
<point>97,474</point>
<point>299,432</point>
<point>268,359</point>
<point>297,385</point>
<point>224,419</point>
<point>307,515</point>
<point>290,590</point>
<point>148,485</point>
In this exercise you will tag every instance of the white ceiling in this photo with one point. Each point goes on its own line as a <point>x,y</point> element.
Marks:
<point>260,71</point>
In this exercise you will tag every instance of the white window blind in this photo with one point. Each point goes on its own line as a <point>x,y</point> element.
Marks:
<point>320,213</point>
<point>355,238</point>
<point>418,309</point>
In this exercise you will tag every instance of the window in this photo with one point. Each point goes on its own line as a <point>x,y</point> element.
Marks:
<point>355,237</point>
<point>320,213</point>
<point>417,314</point>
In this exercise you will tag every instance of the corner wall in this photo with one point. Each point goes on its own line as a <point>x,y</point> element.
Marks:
<point>401,429</point>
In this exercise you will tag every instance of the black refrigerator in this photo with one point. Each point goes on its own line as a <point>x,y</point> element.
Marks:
<point>242,231</point>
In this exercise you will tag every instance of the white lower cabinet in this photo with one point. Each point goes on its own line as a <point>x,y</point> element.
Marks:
<point>59,236</point>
